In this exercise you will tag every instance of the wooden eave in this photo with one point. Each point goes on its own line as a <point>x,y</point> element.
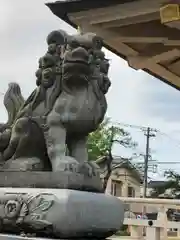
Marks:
<point>132,30</point>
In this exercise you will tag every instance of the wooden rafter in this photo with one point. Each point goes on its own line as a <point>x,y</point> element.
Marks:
<point>140,62</point>
<point>106,35</point>
<point>101,21</point>
<point>125,35</point>
<point>121,11</point>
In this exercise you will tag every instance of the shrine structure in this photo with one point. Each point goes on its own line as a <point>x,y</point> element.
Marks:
<point>143,32</point>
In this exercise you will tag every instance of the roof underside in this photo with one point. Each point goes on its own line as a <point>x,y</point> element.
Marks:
<point>132,30</point>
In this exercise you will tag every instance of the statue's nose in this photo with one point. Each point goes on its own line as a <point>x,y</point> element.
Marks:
<point>81,54</point>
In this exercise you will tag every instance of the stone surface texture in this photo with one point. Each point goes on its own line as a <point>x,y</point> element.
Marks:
<point>58,180</point>
<point>15,237</point>
<point>43,145</point>
<point>60,213</point>
<point>68,104</point>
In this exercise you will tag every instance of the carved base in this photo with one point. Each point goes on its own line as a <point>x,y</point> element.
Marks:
<point>16,237</point>
<point>56,213</point>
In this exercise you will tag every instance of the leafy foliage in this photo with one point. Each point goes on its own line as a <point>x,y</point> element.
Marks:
<point>100,144</point>
<point>101,141</point>
<point>172,183</point>
<point>157,191</point>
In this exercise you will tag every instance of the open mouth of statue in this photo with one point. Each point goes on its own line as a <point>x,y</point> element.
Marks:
<point>76,67</point>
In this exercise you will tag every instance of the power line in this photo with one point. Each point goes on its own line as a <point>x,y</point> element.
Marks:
<point>133,126</point>
<point>148,132</point>
<point>168,162</point>
<point>143,128</point>
<point>157,163</point>
<point>171,138</point>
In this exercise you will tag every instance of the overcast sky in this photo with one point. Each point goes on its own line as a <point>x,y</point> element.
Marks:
<point>134,98</point>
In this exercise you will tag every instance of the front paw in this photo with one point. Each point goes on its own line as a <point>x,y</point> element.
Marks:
<point>89,169</point>
<point>65,164</point>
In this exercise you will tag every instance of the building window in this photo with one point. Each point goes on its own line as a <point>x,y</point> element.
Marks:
<point>131,192</point>
<point>116,188</point>
<point>113,188</point>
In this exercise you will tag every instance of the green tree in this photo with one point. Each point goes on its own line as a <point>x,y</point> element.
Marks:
<point>158,190</point>
<point>101,142</point>
<point>172,183</point>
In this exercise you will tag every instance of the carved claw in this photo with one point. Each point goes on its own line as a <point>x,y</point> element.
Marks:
<point>89,169</point>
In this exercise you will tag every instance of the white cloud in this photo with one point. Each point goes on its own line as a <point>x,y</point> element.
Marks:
<point>5,13</point>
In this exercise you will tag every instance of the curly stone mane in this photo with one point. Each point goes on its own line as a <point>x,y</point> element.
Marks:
<point>13,100</point>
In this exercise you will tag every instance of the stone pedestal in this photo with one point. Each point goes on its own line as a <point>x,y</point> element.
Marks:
<point>15,237</point>
<point>55,180</point>
<point>59,213</point>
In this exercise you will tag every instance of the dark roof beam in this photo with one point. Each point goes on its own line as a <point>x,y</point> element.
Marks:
<point>148,29</point>
<point>129,9</point>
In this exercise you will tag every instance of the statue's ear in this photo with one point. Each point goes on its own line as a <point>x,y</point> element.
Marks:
<point>58,37</point>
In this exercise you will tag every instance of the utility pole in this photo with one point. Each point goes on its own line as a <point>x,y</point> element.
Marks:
<point>148,135</point>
